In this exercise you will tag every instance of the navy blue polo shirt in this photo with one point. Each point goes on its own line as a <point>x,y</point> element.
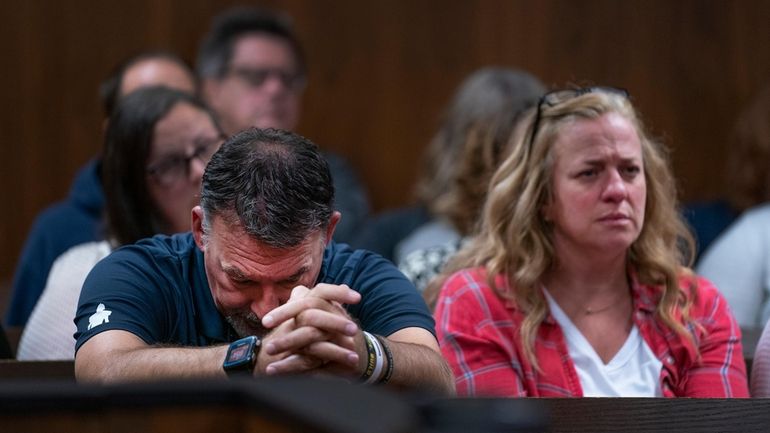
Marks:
<point>157,290</point>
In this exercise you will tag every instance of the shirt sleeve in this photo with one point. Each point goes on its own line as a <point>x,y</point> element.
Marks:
<point>389,302</point>
<point>126,291</point>
<point>476,335</point>
<point>721,370</point>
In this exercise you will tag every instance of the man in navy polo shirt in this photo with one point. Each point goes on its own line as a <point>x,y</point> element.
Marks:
<point>260,261</point>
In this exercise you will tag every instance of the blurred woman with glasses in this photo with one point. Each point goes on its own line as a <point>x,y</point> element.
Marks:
<point>157,144</point>
<point>577,283</point>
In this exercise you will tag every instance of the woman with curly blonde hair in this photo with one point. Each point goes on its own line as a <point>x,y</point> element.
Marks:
<point>577,284</point>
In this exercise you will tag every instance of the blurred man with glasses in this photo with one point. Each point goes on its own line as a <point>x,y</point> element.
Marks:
<point>253,72</point>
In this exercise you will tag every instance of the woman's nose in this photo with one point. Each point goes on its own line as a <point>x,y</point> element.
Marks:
<point>615,189</point>
<point>197,167</point>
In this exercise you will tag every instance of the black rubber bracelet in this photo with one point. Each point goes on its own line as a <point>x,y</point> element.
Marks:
<point>389,355</point>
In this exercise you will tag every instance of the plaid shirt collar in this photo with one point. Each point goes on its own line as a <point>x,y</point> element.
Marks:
<point>645,297</point>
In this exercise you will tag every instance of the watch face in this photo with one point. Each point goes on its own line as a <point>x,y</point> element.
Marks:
<point>241,355</point>
<point>238,353</point>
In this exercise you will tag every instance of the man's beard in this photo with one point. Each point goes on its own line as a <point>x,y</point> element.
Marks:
<point>246,323</point>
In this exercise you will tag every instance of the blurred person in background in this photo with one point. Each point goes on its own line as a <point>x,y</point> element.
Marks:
<point>484,96</point>
<point>78,218</point>
<point>157,143</point>
<point>747,176</point>
<point>472,141</point>
<point>738,261</point>
<point>253,73</point>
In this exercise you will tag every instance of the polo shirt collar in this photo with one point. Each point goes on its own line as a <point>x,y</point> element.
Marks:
<point>326,261</point>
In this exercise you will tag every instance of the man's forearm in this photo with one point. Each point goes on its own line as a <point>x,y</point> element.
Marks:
<point>97,362</point>
<point>418,366</point>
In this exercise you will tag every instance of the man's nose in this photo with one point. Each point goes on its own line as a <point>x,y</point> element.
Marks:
<point>267,301</point>
<point>274,84</point>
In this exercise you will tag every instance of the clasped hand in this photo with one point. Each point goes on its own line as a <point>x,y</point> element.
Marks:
<point>312,333</point>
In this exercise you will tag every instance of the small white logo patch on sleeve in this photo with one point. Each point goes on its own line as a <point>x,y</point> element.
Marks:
<point>101,316</point>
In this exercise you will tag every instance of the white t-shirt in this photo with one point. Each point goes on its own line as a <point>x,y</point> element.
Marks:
<point>738,263</point>
<point>633,372</point>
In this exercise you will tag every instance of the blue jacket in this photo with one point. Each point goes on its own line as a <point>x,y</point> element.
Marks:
<point>73,221</point>
<point>707,221</point>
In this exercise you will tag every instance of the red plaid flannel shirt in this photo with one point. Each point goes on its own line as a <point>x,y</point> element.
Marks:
<point>479,336</point>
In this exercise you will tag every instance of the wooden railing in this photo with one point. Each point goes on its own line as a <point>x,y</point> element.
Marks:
<point>43,396</point>
<point>36,370</point>
<point>306,404</point>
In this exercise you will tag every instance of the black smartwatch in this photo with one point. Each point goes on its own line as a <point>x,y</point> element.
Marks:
<point>242,356</point>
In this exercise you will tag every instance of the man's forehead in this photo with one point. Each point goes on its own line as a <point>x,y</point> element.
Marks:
<point>260,36</point>
<point>226,224</point>
<point>156,71</point>
<point>247,258</point>
<point>260,47</point>
<point>228,230</point>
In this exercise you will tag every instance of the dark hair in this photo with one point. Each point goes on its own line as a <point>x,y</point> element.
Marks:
<point>131,213</point>
<point>109,90</point>
<point>275,182</point>
<point>216,49</point>
<point>748,162</point>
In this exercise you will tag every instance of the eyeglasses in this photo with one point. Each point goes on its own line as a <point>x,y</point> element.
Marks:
<point>256,77</point>
<point>559,96</point>
<point>170,170</point>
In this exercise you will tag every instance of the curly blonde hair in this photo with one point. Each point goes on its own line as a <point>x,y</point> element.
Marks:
<point>515,241</point>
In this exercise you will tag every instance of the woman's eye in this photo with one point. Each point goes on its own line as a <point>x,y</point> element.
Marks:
<point>632,170</point>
